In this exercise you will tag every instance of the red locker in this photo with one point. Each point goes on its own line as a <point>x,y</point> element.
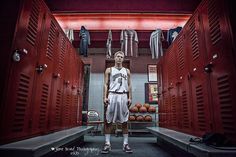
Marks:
<point>74,86</point>
<point>220,66</point>
<point>44,71</point>
<point>40,91</point>
<point>80,91</point>
<point>206,73</point>
<point>165,99</point>
<point>160,90</point>
<point>67,88</point>
<point>198,79</point>
<point>16,111</point>
<point>182,81</point>
<point>55,108</point>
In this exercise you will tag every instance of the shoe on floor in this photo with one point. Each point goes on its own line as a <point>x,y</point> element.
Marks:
<point>106,149</point>
<point>127,149</point>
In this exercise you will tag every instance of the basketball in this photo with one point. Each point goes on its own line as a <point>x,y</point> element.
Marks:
<point>139,118</point>
<point>151,109</point>
<point>146,105</point>
<point>148,118</point>
<point>138,105</point>
<point>142,109</point>
<point>133,109</point>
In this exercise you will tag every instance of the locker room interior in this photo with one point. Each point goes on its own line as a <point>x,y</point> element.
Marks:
<point>49,82</point>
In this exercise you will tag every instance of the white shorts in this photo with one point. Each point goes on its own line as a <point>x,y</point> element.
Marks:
<point>117,109</point>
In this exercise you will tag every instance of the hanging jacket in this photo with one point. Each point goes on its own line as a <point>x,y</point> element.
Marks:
<point>84,41</point>
<point>172,34</point>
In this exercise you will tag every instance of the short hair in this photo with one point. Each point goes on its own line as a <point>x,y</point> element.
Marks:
<point>119,52</point>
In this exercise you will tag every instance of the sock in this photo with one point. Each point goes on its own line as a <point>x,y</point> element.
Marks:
<point>125,139</point>
<point>107,138</point>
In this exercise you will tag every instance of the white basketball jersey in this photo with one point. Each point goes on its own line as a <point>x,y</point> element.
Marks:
<point>118,80</point>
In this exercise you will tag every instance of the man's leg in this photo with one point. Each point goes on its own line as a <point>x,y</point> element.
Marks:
<point>107,130</point>
<point>126,147</point>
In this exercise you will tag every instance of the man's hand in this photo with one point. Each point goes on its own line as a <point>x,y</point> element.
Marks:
<point>106,102</point>
<point>129,102</point>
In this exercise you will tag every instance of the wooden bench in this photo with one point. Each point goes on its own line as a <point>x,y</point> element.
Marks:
<point>41,145</point>
<point>181,140</point>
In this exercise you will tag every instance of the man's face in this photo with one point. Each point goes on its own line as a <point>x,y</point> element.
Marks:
<point>119,58</point>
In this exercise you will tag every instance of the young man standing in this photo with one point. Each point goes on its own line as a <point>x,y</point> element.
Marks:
<point>117,99</point>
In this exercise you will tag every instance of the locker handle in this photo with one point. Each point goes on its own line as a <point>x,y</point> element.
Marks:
<point>73,86</point>
<point>67,82</point>
<point>208,68</point>
<point>41,68</point>
<point>56,75</point>
<point>189,75</point>
<point>79,91</point>
<point>18,54</point>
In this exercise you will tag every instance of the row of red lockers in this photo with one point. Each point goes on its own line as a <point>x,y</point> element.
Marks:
<point>43,81</point>
<point>198,73</point>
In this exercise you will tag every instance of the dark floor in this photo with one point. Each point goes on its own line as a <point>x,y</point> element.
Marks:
<point>142,147</point>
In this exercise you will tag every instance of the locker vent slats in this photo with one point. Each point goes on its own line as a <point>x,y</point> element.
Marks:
<point>180,53</point>
<point>200,108</point>
<point>33,23</point>
<point>226,104</point>
<point>21,103</point>
<point>62,54</point>
<point>214,21</point>
<point>43,106</point>
<point>194,40</point>
<point>172,67</point>
<point>51,40</point>
<point>58,108</point>
<point>173,111</point>
<point>67,108</point>
<point>75,109</point>
<point>166,106</point>
<point>185,110</point>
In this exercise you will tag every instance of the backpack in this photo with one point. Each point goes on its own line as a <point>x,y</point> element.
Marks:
<point>216,139</point>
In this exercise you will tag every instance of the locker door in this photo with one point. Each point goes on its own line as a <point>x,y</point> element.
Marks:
<point>16,112</point>
<point>80,90</point>
<point>185,106</point>
<point>198,78</point>
<point>57,84</point>
<point>172,90</point>
<point>44,69</point>
<point>182,70</point>
<point>165,95</point>
<point>160,89</point>
<point>183,87</point>
<point>165,109</point>
<point>74,86</point>
<point>67,87</point>
<point>221,67</point>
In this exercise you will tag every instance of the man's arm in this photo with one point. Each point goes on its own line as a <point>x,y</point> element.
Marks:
<point>105,86</point>
<point>129,88</point>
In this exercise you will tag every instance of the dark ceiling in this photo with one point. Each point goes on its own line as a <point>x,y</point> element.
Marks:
<point>119,6</point>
